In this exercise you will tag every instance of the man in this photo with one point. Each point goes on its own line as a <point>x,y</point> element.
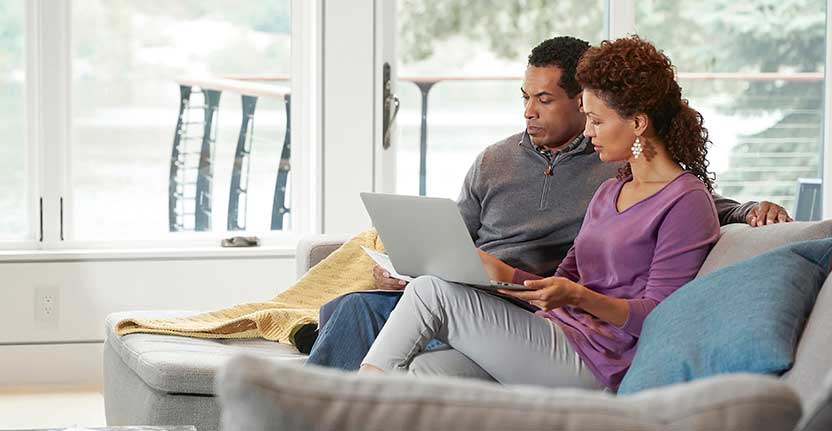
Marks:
<point>523,201</point>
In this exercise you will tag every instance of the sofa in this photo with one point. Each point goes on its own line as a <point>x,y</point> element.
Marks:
<point>168,380</point>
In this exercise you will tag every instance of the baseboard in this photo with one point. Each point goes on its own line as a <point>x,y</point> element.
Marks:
<point>51,364</point>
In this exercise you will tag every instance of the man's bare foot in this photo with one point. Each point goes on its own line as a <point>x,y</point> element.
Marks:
<point>369,369</point>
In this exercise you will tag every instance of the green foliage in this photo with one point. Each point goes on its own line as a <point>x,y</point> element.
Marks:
<point>509,28</point>
<point>702,36</point>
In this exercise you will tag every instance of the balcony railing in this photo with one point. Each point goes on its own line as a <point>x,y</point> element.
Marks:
<point>192,170</point>
<point>250,88</point>
<point>426,83</point>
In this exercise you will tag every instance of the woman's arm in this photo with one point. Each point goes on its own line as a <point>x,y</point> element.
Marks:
<point>500,271</point>
<point>684,239</point>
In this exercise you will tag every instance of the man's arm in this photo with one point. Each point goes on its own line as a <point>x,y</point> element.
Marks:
<point>469,202</point>
<point>753,213</point>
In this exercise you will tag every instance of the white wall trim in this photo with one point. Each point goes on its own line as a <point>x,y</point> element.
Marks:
<point>307,109</point>
<point>52,364</point>
<point>158,254</point>
<point>349,78</point>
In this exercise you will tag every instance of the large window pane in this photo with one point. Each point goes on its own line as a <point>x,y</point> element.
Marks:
<point>14,193</point>
<point>478,49</point>
<point>755,71</point>
<point>128,58</point>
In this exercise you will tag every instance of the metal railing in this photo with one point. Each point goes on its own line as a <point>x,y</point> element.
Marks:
<point>426,83</point>
<point>251,87</point>
<point>192,171</point>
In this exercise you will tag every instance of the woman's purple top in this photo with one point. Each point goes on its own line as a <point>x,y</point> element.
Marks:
<point>641,254</point>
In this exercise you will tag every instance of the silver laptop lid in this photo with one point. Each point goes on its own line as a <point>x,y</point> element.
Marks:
<point>425,235</point>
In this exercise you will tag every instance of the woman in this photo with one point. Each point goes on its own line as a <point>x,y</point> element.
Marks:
<point>645,234</point>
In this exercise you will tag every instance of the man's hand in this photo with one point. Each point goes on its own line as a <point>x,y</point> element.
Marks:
<point>548,293</point>
<point>385,282</point>
<point>765,213</point>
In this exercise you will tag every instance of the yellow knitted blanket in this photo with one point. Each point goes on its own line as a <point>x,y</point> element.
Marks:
<point>347,269</point>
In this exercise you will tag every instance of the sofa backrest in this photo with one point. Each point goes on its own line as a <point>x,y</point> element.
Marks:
<point>813,358</point>
<point>737,242</point>
<point>740,241</point>
<point>315,248</point>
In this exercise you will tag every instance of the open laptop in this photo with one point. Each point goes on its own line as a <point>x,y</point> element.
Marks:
<point>426,236</point>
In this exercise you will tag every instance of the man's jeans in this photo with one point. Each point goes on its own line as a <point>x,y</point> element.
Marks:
<point>349,325</point>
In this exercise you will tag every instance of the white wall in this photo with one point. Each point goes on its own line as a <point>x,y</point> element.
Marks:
<point>349,96</point>
<point>91,290</point>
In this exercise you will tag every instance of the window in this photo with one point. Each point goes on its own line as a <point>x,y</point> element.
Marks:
<point>460,71</point>
<point>135,170</point>
<point>14,150</point>
<point>131,124</point>
<point>759,86</point>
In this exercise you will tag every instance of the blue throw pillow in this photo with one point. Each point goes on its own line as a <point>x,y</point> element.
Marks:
<point>746,317</point>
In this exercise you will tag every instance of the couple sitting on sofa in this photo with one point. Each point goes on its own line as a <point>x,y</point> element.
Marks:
<point>610,143</point>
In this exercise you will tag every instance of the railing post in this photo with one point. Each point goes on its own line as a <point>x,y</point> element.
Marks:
<point>424,88</point>
<point>176,163</point>
<point>279,208</point>
<point>205,174</point>
<point>238,192</point>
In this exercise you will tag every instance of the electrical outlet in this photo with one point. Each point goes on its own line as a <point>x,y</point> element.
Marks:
<point>47,305</point>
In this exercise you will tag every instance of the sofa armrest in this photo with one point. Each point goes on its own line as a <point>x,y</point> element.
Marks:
<point>314,248</point>
<point>258,395</point>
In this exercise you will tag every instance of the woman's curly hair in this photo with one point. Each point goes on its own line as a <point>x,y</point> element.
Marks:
<point>631,76</point>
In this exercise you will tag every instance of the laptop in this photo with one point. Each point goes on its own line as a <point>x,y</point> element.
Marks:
<point>427,236</point>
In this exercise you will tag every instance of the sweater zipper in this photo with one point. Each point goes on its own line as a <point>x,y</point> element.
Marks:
<point>550,166</point>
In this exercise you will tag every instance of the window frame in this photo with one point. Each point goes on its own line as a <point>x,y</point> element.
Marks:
<point>826,153</point>
<point>48,36</point>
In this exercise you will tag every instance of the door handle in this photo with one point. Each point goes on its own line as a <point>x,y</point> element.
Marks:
<point>390,103</point>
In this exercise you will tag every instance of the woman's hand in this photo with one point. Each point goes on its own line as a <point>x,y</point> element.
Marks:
<point>549,293</point>
<point>497,269</point>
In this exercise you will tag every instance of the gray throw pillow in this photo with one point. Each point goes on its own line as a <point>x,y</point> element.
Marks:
<point>740,241</point>
<point>256,395</point>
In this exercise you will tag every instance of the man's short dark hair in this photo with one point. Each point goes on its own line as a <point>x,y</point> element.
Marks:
<point>563,52</point>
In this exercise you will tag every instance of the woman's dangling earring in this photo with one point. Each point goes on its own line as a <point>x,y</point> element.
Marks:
<point>636,148</point>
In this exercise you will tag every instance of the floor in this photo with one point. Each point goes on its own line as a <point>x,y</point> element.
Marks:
<point>51,407</point>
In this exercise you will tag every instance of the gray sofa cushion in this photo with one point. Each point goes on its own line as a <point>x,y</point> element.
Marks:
<point>186,365</point>
<point>813,358</point>
<point>256,395</point>
<point>741,241</point>
<point>129,401</point>
<point>818,416</point>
